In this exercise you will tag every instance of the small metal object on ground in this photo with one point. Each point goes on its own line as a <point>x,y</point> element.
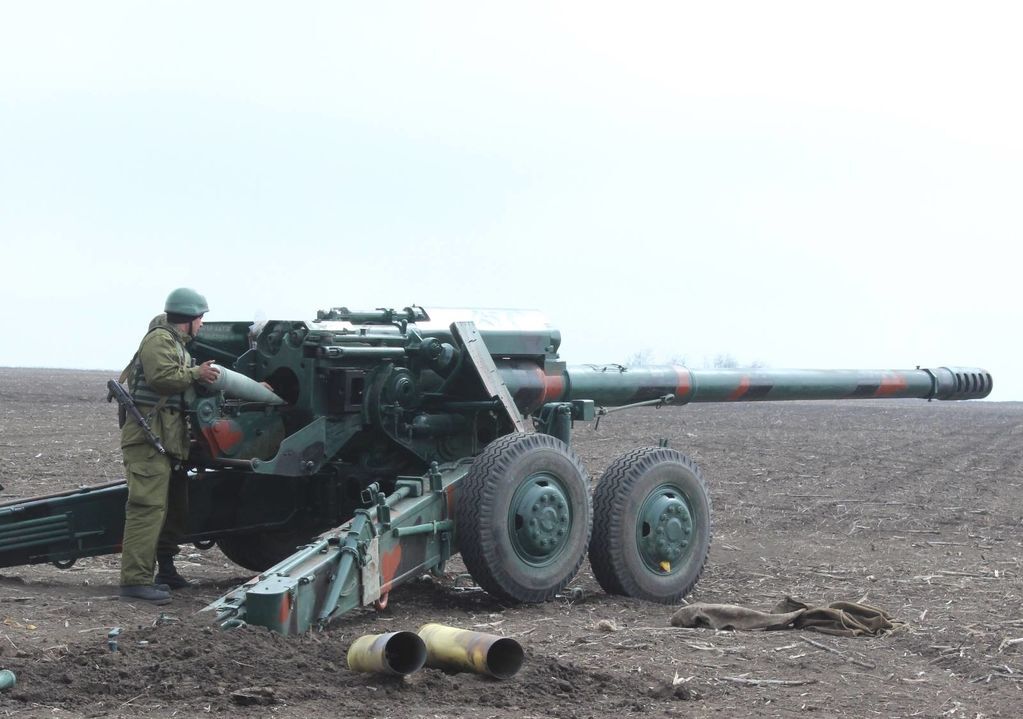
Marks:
<point>7,679</point>
<point>112,636</point>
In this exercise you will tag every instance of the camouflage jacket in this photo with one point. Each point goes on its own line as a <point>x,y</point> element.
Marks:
<point>162,367</point>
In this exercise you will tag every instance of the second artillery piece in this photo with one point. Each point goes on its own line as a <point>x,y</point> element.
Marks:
<point>400,438</point>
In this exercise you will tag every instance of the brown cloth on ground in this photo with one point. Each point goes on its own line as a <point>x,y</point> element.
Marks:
<point>843,619</point>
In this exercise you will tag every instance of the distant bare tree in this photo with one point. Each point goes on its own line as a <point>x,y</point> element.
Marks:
<point>640,358</point>
<point>725,360</point>
<point>722,360</point>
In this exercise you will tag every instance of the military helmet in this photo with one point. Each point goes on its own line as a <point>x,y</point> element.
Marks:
<point>186,301</point>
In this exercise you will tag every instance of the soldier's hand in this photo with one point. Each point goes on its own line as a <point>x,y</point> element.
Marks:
<point>207,372</point>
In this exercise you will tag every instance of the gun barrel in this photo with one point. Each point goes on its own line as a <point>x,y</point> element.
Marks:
<point>614,385</point>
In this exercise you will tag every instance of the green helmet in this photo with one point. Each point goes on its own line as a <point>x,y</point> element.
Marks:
<point>186,301</point>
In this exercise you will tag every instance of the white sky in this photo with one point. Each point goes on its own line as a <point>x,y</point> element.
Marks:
<point>796,184</point>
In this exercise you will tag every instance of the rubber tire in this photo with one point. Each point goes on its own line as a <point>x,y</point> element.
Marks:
<point>481,516</point>
<point>614,552</point>
<point>258,551</point>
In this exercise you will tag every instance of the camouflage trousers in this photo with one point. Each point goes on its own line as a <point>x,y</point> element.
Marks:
<point>155,516</point>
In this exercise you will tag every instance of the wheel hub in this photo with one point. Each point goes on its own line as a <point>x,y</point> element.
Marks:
<point>665,529</point>
<point>539,519</point>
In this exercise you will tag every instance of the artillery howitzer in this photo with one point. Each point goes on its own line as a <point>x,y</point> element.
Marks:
<point>405,437</point>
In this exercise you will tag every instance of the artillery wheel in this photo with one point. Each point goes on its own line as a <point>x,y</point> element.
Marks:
<point>258,551</point>
<point>523,517</point>
<point>651,526</point>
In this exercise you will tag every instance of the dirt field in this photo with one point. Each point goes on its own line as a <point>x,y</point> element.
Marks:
<point>910,506</point>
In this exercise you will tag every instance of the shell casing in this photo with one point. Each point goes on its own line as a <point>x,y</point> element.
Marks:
<point>397,653</point>
<point>456,649</point>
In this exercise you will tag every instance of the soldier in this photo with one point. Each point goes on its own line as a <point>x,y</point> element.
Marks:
<point>160,379</point>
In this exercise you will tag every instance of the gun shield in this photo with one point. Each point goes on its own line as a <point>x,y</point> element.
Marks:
<point>397,653</point>
<point>455,649</point>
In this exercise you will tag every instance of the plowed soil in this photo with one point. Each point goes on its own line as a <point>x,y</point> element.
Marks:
<point>909,506</point>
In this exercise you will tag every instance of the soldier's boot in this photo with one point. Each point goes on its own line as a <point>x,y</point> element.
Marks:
<point>167,574</point>
<point>146,592</point>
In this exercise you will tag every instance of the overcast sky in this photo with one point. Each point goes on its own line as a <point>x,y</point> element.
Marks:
<point>794,184</point>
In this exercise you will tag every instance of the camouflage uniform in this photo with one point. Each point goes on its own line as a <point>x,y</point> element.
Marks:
<point>160,376</point>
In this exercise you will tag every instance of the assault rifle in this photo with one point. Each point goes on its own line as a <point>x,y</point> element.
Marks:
<point>116,391</point>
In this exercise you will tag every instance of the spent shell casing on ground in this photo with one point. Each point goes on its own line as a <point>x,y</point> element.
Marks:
<point>456,649</point>
<point>398,653</point>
